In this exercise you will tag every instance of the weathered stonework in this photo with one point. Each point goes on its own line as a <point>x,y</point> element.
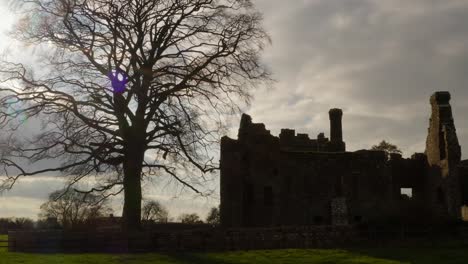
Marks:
<point>339,211</point>
<point>295,180</point>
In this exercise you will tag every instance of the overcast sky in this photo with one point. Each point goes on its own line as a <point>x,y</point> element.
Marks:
<point>377,60</point>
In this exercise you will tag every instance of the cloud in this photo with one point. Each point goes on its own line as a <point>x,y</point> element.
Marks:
<point>18,206</point>
<point>25,198</point>
<point>378,60</point>
<point>37,187</point>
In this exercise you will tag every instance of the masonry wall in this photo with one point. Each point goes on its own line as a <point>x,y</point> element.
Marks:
<point>293,180</point>
<point>443,156</point>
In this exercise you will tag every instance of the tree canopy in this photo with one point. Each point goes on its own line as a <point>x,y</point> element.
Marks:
<point>154,211</point>
<point>387,147</point>
<point>72,209</point>
<point>213,216</point>
<point>190,219</point>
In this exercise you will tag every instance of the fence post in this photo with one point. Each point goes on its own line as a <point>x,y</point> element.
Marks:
<point>11,242</point>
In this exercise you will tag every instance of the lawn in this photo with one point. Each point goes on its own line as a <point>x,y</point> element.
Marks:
<point>260,257</point>
<point>2,238</point>
<point>435,255</point>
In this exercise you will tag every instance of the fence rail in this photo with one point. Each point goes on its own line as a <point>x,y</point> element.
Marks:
<point>220,239</point>
<point>3,243</point>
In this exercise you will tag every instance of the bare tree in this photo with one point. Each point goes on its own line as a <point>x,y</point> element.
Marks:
<point>21,223</point>
<point>154,211</point>
<point>190,219</point>
<point>129,89</point>
<point>213,216</point>
<point>72,208</point>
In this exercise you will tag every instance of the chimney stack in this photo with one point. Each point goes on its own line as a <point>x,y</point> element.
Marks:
<point>336,132</point>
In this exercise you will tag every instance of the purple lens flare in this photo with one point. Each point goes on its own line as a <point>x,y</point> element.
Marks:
<point>119,80</point>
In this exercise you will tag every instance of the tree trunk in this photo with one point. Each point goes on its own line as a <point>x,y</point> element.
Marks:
<point>132,192</point>
<point>132,167</point>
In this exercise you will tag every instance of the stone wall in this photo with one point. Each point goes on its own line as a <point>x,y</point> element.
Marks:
<point>443,155</point>
<point>293,180</point>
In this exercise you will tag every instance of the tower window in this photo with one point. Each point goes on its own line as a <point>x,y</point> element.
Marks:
<point>406,192</point>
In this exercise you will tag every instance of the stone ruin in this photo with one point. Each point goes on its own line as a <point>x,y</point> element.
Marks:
<point>293,180</point>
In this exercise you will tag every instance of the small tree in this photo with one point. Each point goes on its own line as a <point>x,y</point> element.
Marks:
<point>47,223</point>
<point>72,208</point>
<point>154,211</point>
<point>24,223</point>
<point>190,219</point>
<point>21,223</point>
<point>213,216</point>
<point>387,147</point>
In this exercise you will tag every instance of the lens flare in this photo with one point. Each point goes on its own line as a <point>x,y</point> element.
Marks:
<point>119,80</point>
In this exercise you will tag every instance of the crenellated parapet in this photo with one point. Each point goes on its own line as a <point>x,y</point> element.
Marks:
<point>301,142</point>
<point>290,141</point>
<point>249,129</point>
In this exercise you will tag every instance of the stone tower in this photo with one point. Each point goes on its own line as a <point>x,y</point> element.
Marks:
<point>443,156</point>
<point>336,130</point>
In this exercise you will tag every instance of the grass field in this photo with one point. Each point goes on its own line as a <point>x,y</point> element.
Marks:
<point>436,255</point>
<point>3,237</point>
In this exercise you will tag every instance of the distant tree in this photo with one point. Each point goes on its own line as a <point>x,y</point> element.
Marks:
<point>72,208</point>
<point>213,216</point>
<point>4,225</point>
<point>154,211</point>
<point>47,223</point>
<point>21,223</point>
<point>190,219</point>
<point>387,147</point>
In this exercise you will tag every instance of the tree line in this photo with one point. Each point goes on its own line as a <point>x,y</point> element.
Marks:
<point>68,209</point>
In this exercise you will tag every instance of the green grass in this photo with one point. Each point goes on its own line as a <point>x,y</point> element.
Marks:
<point>449,254</point>
<point>258,257</point>
<point>3,237</point>
<point>377,256</point>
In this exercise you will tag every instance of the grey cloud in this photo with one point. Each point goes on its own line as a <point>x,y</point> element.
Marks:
<point>17,206</point>
<point>378,60</point>
<point>25,198</point>
<point>35,187</point>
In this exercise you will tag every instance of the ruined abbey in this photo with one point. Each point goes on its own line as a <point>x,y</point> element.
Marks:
<point>295,180</point>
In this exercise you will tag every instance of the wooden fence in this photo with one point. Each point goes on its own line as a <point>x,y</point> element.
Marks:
<point>213,239</point>
<point>3,243</point>
<point>216,239</point>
